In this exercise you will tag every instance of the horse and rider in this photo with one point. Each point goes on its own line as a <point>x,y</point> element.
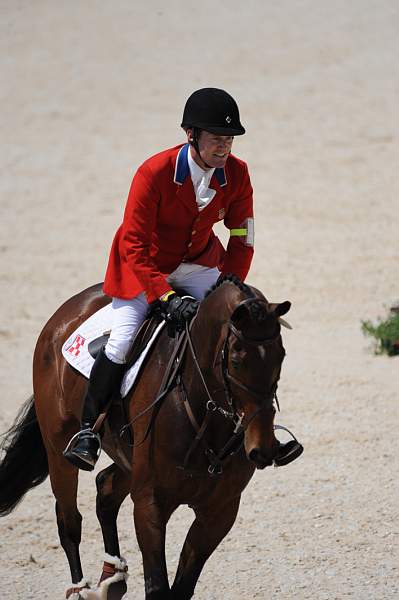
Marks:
<point>201,414</point>
<point>166,241</point>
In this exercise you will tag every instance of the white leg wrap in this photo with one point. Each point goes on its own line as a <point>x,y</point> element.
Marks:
<point>119,563</point>
<point>101,592</point>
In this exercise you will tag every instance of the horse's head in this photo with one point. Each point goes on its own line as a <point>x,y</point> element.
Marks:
<point>243,335</point>
<point>252,356</point>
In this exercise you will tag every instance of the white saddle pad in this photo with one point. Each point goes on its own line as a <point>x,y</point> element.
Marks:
<point>76,353</point>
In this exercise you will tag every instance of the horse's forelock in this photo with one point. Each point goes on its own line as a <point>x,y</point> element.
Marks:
<point>255,318</point>
<point>230,278</point>
<point>258,311</point>
<point>237,301</point>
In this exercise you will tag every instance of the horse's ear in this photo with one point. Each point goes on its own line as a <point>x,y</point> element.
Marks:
<point>280,309</point>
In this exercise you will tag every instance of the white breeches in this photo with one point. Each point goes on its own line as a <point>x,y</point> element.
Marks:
<point>128,315</point>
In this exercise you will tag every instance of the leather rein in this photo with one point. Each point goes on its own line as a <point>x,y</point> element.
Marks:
<point>173,377</point>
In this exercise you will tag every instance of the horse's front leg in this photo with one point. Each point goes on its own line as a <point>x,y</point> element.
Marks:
<point>212,524</point>
<point>150,518</point>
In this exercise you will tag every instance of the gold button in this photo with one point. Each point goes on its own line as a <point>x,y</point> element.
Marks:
<point>193,232</point>
<point>190,244</point>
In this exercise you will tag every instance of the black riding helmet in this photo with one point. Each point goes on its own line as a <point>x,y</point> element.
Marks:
<point>214,110</point>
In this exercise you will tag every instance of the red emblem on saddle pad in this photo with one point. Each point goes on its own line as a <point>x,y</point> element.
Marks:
<point>76,345</point>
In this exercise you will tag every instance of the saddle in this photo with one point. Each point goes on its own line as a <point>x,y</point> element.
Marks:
<point>140,341</point>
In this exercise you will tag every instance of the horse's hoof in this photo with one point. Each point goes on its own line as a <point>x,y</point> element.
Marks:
<point>117,590</point>
<point>113,591</point>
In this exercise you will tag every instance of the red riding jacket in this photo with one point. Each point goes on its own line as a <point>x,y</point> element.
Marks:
<point>162,226</point>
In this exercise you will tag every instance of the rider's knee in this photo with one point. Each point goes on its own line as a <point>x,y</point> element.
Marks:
<point>117,351</point>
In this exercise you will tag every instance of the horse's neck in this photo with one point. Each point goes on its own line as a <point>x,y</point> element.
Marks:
<point>216,309</point>
<point>212,316</point>
<point>208,334</point>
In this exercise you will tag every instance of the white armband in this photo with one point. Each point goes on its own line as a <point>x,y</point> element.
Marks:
<point>246,232</point>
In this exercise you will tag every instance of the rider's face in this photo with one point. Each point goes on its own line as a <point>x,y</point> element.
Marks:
<point>214,149</point>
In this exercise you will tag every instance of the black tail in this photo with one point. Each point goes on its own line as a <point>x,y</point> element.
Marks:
<point>24,464</point>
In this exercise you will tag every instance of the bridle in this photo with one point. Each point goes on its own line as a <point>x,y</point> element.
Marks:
<point>228,378</point>
<point>239,420</point>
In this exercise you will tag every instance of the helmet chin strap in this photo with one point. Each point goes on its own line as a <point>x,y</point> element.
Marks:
<point>194,143</point>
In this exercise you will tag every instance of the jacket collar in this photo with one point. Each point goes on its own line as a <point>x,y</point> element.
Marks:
<point>182,170</point>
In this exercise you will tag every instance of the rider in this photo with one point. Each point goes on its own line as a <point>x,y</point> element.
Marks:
<point>166,241</point>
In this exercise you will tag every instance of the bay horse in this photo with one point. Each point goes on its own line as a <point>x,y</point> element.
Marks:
<point>199,446</point>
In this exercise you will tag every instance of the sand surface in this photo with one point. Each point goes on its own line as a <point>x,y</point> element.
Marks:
<point>89,90</point>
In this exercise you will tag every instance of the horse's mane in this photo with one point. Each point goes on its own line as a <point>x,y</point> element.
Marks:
<point>236,281</point>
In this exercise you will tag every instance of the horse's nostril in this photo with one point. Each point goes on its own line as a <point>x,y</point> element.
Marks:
<point>259,459</point>
<point>254,454</point>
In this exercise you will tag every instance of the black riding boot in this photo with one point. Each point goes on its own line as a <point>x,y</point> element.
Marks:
<point>104,384</point>
<point>288,451</point>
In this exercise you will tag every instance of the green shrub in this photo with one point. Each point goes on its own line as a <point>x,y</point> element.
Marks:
<point>385,334</point>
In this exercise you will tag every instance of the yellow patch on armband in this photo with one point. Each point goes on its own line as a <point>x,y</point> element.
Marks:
<point>246,231</point>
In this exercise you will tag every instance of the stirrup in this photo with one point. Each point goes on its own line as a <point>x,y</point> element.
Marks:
<point>293,449</point>
<point>86,463</point>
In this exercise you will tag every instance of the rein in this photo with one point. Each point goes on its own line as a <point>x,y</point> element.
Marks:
<point>173,378</point>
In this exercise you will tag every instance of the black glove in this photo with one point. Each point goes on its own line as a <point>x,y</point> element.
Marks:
<point>177,311</point>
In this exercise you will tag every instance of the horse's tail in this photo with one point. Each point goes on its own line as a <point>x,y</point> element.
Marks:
<point>24,464</point>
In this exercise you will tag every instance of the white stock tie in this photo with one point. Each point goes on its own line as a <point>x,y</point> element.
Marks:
<point>204,193</point>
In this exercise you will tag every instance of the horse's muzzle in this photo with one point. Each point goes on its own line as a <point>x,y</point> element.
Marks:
<point>260,460</point>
